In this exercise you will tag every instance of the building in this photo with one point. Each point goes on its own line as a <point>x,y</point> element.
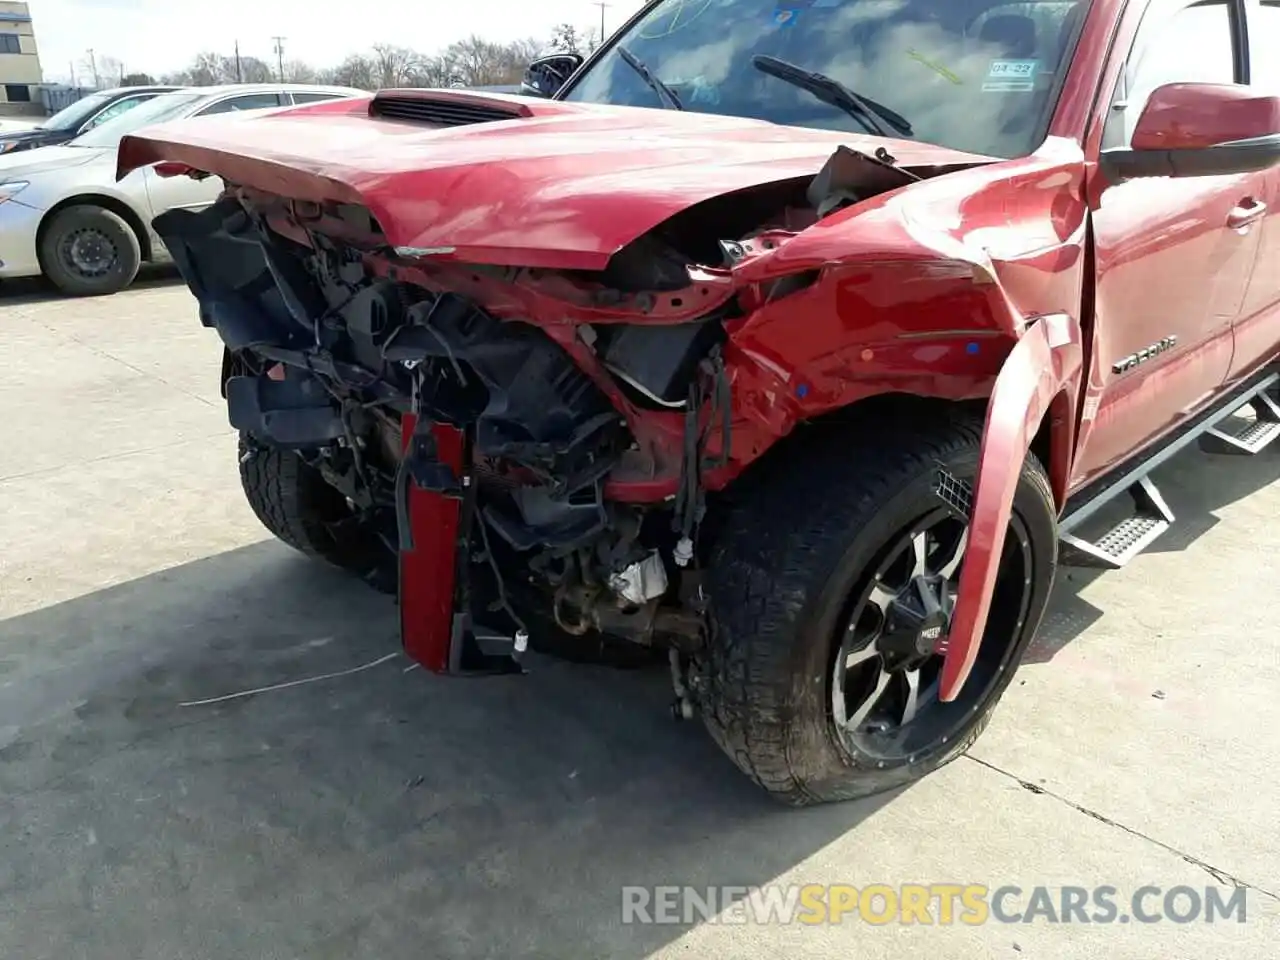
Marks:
<point>20,73</point>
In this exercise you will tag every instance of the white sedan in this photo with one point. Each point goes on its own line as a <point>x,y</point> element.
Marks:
<point>64,216</point>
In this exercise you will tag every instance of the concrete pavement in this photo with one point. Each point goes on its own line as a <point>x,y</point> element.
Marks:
<point>387,814</point>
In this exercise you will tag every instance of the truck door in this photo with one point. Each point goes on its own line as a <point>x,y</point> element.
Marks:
<point>1257,337</point>
<point>1171,268</point>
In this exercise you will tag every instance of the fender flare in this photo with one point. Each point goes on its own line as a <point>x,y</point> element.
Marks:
<point>1047,360</point>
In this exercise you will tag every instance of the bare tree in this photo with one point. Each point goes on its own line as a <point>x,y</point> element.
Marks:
<point>526,50</point>
<point>355,71</point>
<point>514,58</point>
<point>470,62</point>
<point>479,62</point>
<point>111,71</point>
<point>438,71</point>
<point>296,71</point>
<point>395,66</point>
<point>252,70</point>
<point>566,38</point>
<point>205,71</point>
<point>103,69</point>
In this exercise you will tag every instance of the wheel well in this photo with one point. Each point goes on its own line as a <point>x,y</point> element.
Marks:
<point>1054,444</point>
<point>893,411</point>
<point>118,207</point>
<point>887,411</point>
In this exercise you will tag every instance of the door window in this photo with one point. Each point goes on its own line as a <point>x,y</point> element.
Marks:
<point>1178,42</point>
<point>248,101</point>
<point>1264,38</point>
<point>313,97</point>
<point>123,105</point>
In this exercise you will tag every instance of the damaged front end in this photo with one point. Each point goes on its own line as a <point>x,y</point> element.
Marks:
<point>535,446</point>
<point>478,447</point>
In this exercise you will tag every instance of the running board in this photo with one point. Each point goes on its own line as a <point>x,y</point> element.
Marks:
<point>1244,437</point>
<point>1151,517</point>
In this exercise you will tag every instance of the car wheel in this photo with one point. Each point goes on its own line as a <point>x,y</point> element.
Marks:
<point>296,504</point>
<point>830,581</point>
<point>89,251</point>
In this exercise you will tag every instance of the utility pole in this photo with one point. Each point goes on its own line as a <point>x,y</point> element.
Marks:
<point>93,66</point>
<point>239,72</point>
<point>603,7</point>
<point>280,55</point>
<point>72,64</point>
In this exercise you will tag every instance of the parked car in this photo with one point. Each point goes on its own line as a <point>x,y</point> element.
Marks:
<point>17,124</point>
<point>63,214</point>
<point>791,340</point>
<point>77,118</point>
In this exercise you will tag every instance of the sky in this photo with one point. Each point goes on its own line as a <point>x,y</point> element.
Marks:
<point>158,36</point>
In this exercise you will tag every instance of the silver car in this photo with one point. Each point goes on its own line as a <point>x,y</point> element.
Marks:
<point>64,216</point>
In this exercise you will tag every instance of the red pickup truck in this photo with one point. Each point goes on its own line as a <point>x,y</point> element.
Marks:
<point>794,341</point>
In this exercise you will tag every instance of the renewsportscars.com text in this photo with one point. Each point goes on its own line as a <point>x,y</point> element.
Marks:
<point>928,904</point>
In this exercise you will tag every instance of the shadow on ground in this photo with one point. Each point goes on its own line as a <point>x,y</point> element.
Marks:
<point>383,814</point>
<point>40,290</point>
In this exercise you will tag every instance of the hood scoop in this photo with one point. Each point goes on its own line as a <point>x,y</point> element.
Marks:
<point>442,108</point>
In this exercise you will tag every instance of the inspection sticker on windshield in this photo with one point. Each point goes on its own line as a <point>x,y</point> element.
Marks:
<point>1006,75</point>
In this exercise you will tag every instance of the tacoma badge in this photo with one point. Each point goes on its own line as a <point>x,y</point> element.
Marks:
<point>1145,354</point>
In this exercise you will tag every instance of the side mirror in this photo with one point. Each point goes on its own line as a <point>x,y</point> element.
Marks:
<point>548,74</point>
<point>1200,130</point>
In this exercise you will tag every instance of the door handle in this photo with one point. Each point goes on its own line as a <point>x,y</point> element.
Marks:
<point>1247,214</point>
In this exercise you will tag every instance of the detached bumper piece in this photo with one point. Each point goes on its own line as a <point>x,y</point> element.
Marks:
<point>436,626</point>
<point>294,413</point>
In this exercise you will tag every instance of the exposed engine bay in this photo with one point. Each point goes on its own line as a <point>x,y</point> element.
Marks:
<point>586,447</point>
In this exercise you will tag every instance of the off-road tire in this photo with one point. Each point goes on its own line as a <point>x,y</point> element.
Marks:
<point>112,229</point>
<point>295,503</point>
<point>796,539</point>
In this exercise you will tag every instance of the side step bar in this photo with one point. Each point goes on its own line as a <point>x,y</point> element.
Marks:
<point>1150,516</point>
<point>1245,438</point>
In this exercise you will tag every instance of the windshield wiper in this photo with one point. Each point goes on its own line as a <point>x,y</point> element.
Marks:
<point>874,116</point>
<point>668,96</point>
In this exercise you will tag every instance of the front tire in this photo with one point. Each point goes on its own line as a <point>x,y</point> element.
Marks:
<point>87,250</point>
<point>295,503</point>
<point>829,581</point>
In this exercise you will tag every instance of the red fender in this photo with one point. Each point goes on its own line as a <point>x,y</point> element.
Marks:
<point>1045,361</point>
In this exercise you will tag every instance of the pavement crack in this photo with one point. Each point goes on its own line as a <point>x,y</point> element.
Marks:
<point>115,455</point>
<point>107,355</point>
<point>1218,874</point>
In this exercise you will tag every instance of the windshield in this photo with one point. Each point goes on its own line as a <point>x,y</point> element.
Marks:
<point>167,106</point>
<point>73,116</point>
<point>976,75</point>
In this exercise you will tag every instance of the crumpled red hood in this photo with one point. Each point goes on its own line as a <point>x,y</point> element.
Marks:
<point>561,186</point>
